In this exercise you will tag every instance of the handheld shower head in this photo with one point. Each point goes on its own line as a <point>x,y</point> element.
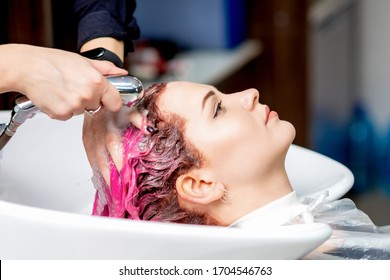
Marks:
<point>129,87</point>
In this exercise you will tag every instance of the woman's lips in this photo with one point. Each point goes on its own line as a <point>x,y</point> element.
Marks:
<point>269,114</point>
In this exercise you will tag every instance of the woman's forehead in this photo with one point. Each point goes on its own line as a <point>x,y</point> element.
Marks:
<point>181,95</point>
<point>186,87</point>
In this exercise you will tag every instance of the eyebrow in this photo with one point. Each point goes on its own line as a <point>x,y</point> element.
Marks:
<point>206,97</point>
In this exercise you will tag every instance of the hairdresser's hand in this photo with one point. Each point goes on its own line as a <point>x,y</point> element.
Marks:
<point>102,138</point>
<point>60,83</point>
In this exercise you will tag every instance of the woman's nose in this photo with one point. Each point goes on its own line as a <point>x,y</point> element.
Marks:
<point>250,98</point>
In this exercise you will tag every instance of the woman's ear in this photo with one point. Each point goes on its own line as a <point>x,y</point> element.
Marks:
<point>197,187</point>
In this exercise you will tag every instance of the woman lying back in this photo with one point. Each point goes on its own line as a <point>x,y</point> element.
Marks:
<point>213,159</point>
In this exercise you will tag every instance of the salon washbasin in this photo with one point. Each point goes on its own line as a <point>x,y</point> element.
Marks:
<point>46,197</point>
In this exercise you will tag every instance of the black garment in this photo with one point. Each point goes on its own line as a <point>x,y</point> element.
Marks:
<point>106,18</point>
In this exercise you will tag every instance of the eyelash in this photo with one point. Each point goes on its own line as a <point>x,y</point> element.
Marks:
<point>218,109</point>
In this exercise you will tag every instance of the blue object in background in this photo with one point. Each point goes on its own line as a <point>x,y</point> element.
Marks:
<point>383,164</point>
<point>357,145</point>
<point>329,136</point>
<point>193,23</point>
<point>361,152</point>
<point>235,22</point>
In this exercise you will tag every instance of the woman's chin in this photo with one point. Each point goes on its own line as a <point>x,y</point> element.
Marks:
<point>289,131</point>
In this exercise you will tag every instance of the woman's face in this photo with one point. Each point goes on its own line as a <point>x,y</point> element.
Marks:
<point>242,140</point>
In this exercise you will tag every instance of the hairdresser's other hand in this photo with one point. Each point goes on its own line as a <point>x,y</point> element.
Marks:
<point>102,138</point>
<point>60,83</point>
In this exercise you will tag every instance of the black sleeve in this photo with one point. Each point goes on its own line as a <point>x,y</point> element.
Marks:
<point>106,18</point>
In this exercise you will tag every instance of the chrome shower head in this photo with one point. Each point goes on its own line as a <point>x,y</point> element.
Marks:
<point>130,88</point>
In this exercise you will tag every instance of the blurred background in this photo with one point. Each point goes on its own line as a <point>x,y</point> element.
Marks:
<point>323,65</point>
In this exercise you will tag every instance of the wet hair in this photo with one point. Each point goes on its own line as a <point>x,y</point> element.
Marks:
<point>145,188</point>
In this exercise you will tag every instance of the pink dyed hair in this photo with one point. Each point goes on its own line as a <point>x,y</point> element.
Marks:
<point>145,188</point>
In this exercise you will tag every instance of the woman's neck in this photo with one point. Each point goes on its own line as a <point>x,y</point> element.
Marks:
<point>241,200</point>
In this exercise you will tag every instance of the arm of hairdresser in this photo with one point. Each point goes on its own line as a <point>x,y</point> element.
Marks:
<point>106,24</point>
<point>106,19</point>
<point>60,83</point>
